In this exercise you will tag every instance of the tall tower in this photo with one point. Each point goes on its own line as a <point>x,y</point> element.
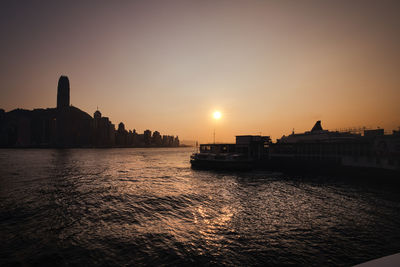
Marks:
<point>63,92</point>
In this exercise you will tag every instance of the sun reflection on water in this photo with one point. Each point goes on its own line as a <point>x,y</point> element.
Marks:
<point>129,205</point>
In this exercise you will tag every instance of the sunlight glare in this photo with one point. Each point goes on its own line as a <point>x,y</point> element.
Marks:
<point>217,115</point>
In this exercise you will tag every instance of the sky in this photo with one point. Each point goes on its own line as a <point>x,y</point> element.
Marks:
<point>268,66</point>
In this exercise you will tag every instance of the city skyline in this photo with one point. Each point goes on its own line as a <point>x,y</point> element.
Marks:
<point>67,126</point>
<point>199,132</point>
<point>268,67</point>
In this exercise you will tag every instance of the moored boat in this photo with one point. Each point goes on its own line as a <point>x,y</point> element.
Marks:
<point>245,154</point>
<point>222,161</point>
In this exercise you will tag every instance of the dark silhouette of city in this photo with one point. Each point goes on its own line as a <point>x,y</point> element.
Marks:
<point>67,126</point>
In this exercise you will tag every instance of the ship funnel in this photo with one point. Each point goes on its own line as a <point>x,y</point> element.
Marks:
<point>317,127</point>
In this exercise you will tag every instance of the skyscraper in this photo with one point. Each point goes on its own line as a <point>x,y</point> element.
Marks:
<point>63,92</point>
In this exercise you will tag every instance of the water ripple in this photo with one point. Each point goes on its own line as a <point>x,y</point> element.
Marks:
<point>147,207</point>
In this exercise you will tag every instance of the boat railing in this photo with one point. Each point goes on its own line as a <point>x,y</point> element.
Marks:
<point>219,156</point>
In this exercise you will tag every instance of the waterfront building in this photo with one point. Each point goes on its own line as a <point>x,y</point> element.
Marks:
<point>170,140</point>
<point>97,115</point>
<point>3,132</point>
<point>65,126</point>
<point>63,92</point>
<point>103,131</point>
<point>156,139</point>
<point>176,141</point>
<point>164,140</point>
<point>147,137</point>
<point>73,126</point>
<point>121,135</point>
<point>135,139</point>
<point>140,140</point>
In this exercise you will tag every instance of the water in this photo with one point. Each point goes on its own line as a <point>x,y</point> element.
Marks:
<point>125,207</point>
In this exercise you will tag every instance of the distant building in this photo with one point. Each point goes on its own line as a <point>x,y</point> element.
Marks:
<point>3,133</point>
<point>67,126</point>
<point>97,114</point>
<point>170,141</point>
<point>63,92</point>
<point>103,131</point>
<point>165,140</point>
<point>121,135</point>
<point>176,141</point>
<point>147,137</point>
<point>156,140</point>
<point>135,139</point>
<point>140,140</point>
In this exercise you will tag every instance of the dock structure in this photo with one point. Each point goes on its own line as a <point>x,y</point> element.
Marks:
<point>317,149</point>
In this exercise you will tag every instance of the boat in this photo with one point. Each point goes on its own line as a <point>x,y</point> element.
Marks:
<point>344,151</point>
<point>364,152</point>
<point>221,161</point>
<point>245,154</point>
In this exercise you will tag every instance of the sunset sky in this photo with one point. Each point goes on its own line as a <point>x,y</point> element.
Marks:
<point>267,66</point>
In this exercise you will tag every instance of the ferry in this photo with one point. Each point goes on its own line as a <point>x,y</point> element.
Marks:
<point>316,150</point>
<point>319,149</point>
<point>245,154</point>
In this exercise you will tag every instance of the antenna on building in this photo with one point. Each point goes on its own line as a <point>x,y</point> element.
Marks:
<point>214,135</point>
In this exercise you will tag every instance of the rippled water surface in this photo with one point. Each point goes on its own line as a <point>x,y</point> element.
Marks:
<point>120,207</point>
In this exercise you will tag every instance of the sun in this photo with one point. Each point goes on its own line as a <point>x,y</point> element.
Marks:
<point>217,115</point>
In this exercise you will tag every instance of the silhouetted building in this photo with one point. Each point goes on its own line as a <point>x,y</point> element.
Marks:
<point>103,131</point>
<point>129,139</point>
<point>165,140</point>
<point>121,135</point>
<point>73,126</point>
<point>147,137</point>
<point>3,134</point>
<point>157,141</point>
<point>63,92</point>
<point>97,114</point>
<point>66,126</point>
<point>170,140</point>
<point>140,140</point>
<point>176,141</point>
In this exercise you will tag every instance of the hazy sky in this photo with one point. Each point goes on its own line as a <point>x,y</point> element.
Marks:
<point>268,66</point>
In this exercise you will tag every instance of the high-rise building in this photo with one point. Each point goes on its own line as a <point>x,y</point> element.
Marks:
<point>63,92</point>
<point>67,126</point>
<point>97,115</point>
<point>157,139</point>
<point>147,137</point>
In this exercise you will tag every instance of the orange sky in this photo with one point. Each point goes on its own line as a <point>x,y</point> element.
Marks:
<point>268,66</point>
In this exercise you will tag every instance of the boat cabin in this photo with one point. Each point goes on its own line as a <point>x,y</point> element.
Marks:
<point>217,148</point>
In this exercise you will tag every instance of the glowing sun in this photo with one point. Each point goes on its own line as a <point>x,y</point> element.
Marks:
<point>217,115</point>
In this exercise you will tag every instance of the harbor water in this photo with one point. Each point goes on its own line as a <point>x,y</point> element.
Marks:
<point>133,207</point>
